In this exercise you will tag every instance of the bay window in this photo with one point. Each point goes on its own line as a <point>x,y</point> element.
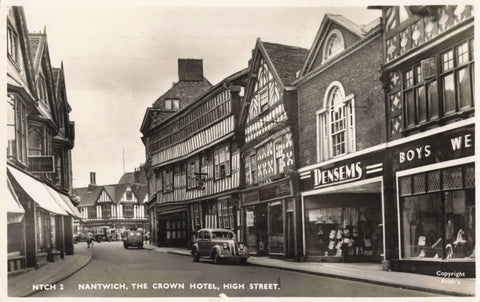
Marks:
<point>430,92</point>
<point>16,129</point>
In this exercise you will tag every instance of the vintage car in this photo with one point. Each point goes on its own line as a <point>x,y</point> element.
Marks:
<point>133,238</point>
<point>218,245</point>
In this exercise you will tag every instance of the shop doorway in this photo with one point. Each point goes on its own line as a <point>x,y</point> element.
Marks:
<point>172,229</point>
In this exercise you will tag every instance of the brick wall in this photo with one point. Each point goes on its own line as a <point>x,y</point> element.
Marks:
<point>358,73</point>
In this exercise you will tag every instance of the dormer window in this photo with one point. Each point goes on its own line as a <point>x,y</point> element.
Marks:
<point>172,104</point>
<point>334,45</point>
<point>129,194</point>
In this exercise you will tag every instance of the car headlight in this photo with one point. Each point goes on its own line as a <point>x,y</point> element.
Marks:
<point>225,246</point>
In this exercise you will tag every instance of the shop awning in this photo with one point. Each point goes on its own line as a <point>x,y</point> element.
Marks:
<point>37,191</point>
<point>63,201</point>
<point>15,211</point>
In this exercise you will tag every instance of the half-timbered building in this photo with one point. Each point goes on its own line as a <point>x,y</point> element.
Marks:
<point>120,207</point>
<point>268,119</point>
<point>40,138</point>
<point>195,166</point>
<point>428,77</point>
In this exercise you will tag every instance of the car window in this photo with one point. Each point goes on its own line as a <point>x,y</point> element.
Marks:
<point>131,234</point>
<point>200,235</point>
<point>222,235</point>
<point>207,235</point>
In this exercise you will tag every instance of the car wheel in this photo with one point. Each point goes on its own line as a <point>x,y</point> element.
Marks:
<point>216,259</point>
<point>140,246</point>
<point>196,256</point>
<point>125,246</point>
<point>243,261</point>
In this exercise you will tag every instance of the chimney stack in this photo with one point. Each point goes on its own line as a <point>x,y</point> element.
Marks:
<point>190,69</point>
<point>93,179</point>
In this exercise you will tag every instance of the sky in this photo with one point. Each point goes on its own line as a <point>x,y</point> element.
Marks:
<point>119,58</point>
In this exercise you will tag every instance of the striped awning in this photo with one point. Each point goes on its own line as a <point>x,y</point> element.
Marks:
<point>37,191</point>
<point>63,201</point>
<point>15,211</point>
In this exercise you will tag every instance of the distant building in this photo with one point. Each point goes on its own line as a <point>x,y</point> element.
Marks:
<point>118,206</point>
<point>40,139</point>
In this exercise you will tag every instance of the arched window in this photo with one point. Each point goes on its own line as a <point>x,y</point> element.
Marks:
<point>334,44</point>
<point>335,124</point>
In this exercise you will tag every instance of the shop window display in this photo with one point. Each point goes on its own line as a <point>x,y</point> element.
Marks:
<point>276,238</point>
<point>440,224</point>
<point>344,231</point>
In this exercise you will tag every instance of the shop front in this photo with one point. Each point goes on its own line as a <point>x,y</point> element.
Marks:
<point>172,226</point>
<point>435,177</point>
<point>342,208</point>
<point>218,212</point>
<point>270,220</point>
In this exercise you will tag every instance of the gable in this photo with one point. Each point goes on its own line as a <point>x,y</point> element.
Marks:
<point>19,69</point>
<point>332,24</point>
<point>104,197</point>
<point>264,83</point>
<point>348,40</point>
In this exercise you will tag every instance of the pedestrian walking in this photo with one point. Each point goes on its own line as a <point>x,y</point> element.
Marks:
<point>89,239</point>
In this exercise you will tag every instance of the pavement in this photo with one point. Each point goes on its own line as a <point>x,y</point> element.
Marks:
<point>363,272</point>
<point>21,285</point>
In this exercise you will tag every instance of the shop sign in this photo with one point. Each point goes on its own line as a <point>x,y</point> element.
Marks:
<point>276,191</point>
<point>250,219</point>
<point>335,175</point>
<point>434,149</point>
<point>250,197</point>
<point>41,164</point>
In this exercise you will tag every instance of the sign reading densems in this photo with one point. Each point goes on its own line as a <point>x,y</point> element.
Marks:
<point>41,164</point>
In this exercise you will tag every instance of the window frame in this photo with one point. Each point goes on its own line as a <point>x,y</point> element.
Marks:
<point>128,208</point>
<point>278,140</point>
<point>20,116</point>
<point>192,173</point>
<point>325,146</point>
<point>335,33</point>
<point>174,104</point>
<point>435,111</point>
<point>167,178</point>
<point>12,44</point>
<point>106,208</point>
<point>222,168</point>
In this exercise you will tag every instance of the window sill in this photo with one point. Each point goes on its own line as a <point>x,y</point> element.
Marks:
<point>446,119</point>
